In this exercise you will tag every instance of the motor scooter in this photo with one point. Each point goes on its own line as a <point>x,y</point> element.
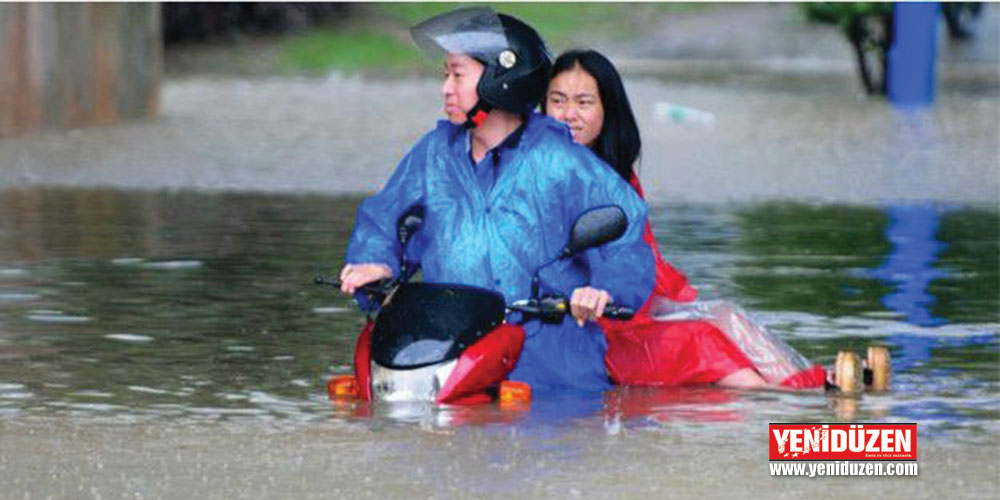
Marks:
<point>455,344</point>
<point>452,343</point>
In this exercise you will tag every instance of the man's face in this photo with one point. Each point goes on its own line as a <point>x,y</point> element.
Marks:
<point>461,76</point>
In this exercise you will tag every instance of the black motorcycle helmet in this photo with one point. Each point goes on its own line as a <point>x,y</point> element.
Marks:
<point>515,59</point>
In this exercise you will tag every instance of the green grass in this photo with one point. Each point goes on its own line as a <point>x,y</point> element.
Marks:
<point>346,50</point>
<point>560,24</point>
<point>555,22</point>
<point>375,38</point>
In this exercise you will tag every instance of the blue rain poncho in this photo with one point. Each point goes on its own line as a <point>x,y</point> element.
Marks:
<point>492,224</point>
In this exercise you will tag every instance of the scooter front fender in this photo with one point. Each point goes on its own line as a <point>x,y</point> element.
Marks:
<point>482,366</point>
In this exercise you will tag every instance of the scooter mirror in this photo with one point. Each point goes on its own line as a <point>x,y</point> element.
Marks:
<point>596,227</point>
<point>409,223</point>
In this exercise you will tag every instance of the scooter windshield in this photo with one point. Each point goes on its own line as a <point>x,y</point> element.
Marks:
<point>429,323</point>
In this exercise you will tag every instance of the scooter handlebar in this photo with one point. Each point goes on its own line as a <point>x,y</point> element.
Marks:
<point>553,308</point>
<point>373,287</point>
<point>619,313</point>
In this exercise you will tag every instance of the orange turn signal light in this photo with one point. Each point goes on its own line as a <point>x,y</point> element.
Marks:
<point>514,392</point>
<point>342,386</point>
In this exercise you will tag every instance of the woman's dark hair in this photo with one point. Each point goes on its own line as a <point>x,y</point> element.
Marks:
<point>618,144</point>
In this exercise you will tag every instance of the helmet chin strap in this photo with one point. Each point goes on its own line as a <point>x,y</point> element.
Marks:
<point>477,115</point>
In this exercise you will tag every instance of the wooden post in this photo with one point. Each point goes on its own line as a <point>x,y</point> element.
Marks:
<point>72,65</point>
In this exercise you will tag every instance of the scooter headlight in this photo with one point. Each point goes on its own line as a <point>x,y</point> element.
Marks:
<point>417,384</point>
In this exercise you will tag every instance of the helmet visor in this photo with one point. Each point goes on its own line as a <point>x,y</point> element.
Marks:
<point>475,31</point>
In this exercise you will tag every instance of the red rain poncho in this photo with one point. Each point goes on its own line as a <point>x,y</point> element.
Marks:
<point>705,343</point>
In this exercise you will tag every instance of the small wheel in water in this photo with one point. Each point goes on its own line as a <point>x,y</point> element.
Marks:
<point>880,363</point>
<point>848,372</point>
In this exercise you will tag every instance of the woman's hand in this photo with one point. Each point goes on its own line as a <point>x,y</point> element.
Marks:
<point>588,304</point>
<point>354,276</point>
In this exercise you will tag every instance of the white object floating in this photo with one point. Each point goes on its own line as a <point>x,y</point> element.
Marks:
<point>170,265</point>
<point>16,395</point>
<point>683,115</point>
<point>127,261</point>
<point>93,394</point>
<point>18,296</point>
<point>56,317</point>
<point>129,337</point>
<point>148,390</point>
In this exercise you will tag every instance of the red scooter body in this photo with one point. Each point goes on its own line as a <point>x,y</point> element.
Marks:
<point>363,362</point>
<point>451,342</point>
<point>434,342</point>
<point>477,373</point>
<point>650,353</point>
<point>483,366</point>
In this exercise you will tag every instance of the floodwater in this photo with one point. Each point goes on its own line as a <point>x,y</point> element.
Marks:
<point>160,336</point>
<point>170,344</point>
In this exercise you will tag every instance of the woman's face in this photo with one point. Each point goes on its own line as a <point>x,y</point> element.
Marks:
<point>461,76</point>
<point>573,98</point>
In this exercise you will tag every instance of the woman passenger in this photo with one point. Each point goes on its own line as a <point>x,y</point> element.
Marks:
<point>586,93</point>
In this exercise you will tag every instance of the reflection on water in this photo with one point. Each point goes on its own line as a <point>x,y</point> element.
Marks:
<point>895,260</point>
<point>910,265</point>
<point>127,306</point>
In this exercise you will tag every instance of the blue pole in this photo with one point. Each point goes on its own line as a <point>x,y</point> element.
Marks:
<point>911,57</point>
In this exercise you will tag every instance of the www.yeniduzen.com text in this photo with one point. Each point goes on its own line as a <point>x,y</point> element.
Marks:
<point>813,469</point>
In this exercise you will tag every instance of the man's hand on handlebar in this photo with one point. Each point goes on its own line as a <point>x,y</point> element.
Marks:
<point>588,304</point>
<point>354,276</point>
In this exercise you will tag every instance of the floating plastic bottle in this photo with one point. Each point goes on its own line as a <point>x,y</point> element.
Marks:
<point>684,115</point>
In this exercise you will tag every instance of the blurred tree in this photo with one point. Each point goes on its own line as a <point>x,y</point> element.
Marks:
<point>200,22</point>
<point>960,17</point>
<point>868,26</point>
